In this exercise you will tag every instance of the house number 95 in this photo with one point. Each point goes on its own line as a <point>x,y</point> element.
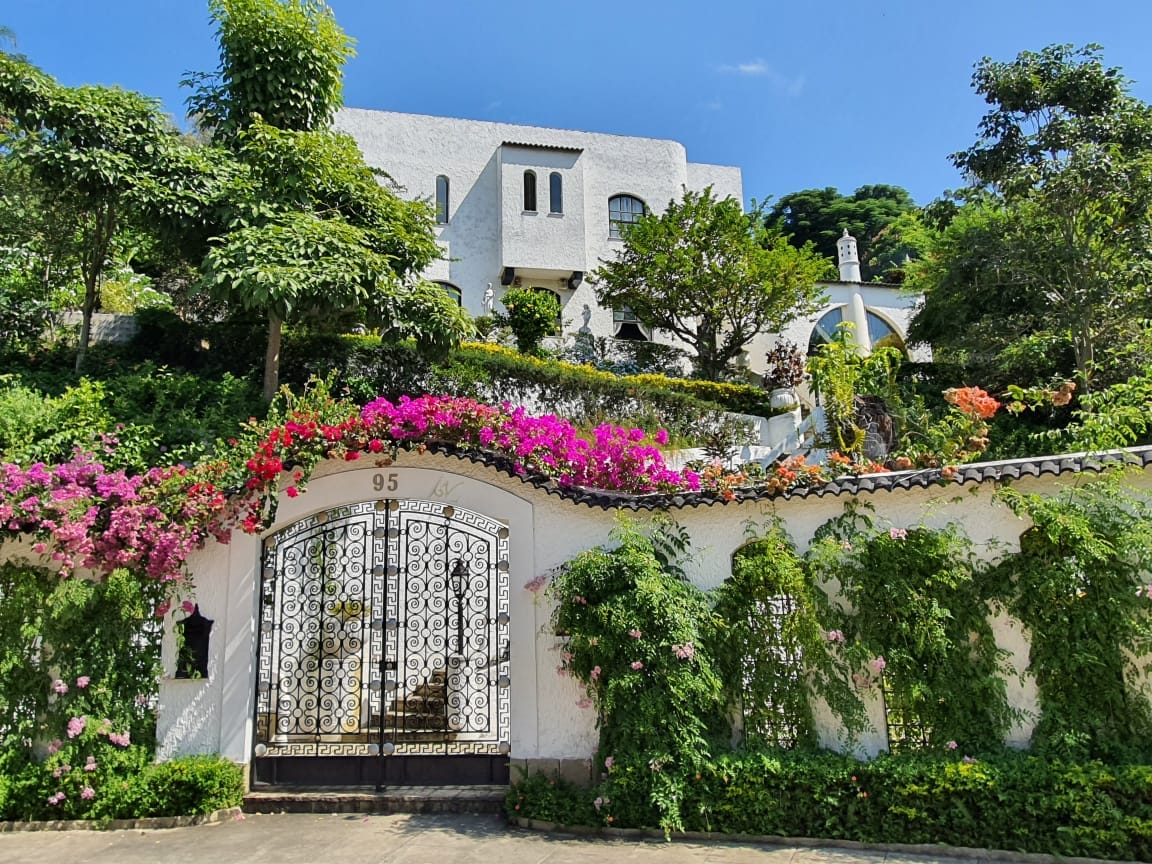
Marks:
<point>385,482</point>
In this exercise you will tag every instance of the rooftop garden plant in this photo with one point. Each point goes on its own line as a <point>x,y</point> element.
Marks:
<point>786,366</point>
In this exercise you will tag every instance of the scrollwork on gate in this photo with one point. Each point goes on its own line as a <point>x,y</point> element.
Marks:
<point>383,628</point>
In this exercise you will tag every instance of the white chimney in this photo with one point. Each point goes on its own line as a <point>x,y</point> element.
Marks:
<point>849,258</point>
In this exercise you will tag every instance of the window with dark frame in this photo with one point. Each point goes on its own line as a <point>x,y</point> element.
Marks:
<point>555,193</point>
<point>530,191</point>
<point>441,200</point>
<point>623,210</point>
<point>627,325</point>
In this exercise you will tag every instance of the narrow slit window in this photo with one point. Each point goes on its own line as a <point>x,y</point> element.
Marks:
<point>530,191</point>
<point>441,200</point>
<point>555,193</point>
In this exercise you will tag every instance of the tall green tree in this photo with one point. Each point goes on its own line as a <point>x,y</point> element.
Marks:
<point>977,312</point>
<point>312,229</point>
<point>39,254</point>
<point>315,232</point>
<point>280,60</point>
<point>107,155</point>
<point>1063,163</point>
<point>713,276</point>
<point>1048,108</point>
<point>903,240</point>
<point>819,217</point>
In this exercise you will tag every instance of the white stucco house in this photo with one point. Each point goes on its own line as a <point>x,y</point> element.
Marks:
<point>541,208</point>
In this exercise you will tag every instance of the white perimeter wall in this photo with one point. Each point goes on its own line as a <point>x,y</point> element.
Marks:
<point>214,715</point>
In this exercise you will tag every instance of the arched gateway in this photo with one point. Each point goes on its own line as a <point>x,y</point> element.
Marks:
<point>383,647</point>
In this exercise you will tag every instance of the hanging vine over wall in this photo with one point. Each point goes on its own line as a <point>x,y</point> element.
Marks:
<point>774,653</point>
<point>1080,584</point>
<point>918,625</point>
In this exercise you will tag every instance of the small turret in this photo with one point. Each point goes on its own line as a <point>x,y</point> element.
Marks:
<point>849,258</point>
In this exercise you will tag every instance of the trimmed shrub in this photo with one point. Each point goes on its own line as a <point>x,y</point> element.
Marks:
<point>190,786</point>
<point>1011,801</point>
<point>132,789</point>
<point>532,315</point>
<point>490,373</point>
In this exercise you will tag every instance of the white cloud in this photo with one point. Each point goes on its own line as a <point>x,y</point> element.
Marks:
<point>756,67</point>
<point>788,85</point>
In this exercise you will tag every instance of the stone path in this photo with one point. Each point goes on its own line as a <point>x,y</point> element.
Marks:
<point>298,838</point>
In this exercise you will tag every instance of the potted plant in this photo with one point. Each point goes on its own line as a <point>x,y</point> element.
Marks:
<point>785,369</point>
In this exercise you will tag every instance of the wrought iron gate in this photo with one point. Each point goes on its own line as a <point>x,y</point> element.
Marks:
<point>383,648</point>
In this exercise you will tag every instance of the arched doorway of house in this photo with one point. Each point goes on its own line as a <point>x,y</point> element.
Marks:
<point>383,648</point>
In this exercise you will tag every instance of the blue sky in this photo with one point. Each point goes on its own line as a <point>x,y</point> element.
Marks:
<point>798,95</point>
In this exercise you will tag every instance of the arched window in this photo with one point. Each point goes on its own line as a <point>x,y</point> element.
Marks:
<point>530,191</point>
<point>623,210</point>
<point>880,333</point>
<point>453,292</point>
<point>555,193</point>
<point>441,200</point>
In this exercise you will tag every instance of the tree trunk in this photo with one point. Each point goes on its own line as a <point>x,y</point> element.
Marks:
<point>1084,352</point>
<point>708,363</point>
<point>272,356</point>
<point>104,226</point>
<point>86,317</point>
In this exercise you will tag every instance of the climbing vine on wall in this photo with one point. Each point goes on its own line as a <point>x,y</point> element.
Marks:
<point>79,661</point>
<point>1080,585</point>
<point>917,620</point>
<point>635,638</point>
<point>773,649</point>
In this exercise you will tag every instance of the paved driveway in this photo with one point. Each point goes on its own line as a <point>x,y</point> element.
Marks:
<point>395,839</point>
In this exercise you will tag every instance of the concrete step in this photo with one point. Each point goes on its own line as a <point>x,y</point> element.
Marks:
<point>359,799</point>
<point>415,721</point>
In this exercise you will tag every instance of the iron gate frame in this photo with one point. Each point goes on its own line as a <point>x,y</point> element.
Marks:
<point>382,649</point>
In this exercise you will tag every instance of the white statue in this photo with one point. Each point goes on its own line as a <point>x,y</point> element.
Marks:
<point>486,303</point>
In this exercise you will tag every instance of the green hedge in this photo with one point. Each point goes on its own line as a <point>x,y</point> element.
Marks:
<point>157,415</point>
<point>586,396</point>
<point>189,786</point>
<point>1014,801</point>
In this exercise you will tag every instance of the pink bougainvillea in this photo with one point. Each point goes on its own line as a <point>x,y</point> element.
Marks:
<point>617,459</point>
<point>82,515</point>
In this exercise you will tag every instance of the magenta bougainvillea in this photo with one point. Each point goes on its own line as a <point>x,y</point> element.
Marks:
<point>81,515</point>
<point>617,459</point>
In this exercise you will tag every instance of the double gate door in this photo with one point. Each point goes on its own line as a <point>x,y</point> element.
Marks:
<point>383,648</point>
